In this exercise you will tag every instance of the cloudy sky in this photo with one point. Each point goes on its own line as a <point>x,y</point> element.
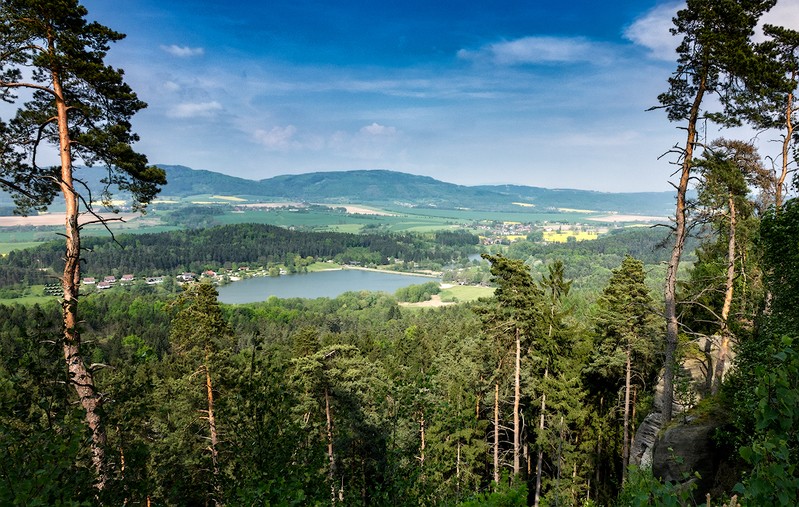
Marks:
<point>550,94</point>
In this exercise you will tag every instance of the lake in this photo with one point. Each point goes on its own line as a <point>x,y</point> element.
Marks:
<point>316,285</point>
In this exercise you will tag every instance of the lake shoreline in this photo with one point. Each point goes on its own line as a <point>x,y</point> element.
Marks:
<point>406,273</point>
<point>319,283</point>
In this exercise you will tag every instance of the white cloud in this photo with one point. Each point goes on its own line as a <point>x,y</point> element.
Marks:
<point>278,138</point>
<point>652,31</point>
<point>194,110</point>
<point>370,142</point>
<point>375,129</point>
<point>539,49</point>
<point>183,51</point>
<point>171,86</point>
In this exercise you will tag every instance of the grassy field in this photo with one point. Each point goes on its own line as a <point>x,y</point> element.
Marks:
<point>27,300</point>
<point>469,216</point>
<point>323,266</point>
<point>14,238</point>
<point>33,295</point>
<point>320,219</point>
<point>463,293</point>
<point>7,247</point>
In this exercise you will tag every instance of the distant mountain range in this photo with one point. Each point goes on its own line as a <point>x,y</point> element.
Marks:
<point>391,187</point>
<point>381,187</point>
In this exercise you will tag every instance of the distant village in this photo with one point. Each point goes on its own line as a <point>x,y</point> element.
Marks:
<point>221,277</point>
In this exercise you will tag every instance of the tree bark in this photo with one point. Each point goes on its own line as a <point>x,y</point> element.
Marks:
<point>331,473</point>
<point>724,345</point>
<point>632,414</point>
<point>516,396</point>
<point>540,460</point>
<point>80,376</point>
<point>458,469</point>
<point>680,232</point>
<point>213,434</point>
<point>496,432</point>
<point>786,144</point>
<point>625,448</point>
<point>597,467</point>
<point>422,446</point>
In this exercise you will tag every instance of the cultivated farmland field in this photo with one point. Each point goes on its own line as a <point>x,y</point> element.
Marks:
<point>348,218</point>
<point>563,236</point>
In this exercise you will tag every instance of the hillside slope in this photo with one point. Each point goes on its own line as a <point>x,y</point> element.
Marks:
<point>383,187</point>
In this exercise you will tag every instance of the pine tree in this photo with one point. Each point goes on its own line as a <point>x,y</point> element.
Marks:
<point>341,395</point>
<point>199,332</point>
<point>728,172</point>
<point>625,349</point>
<point>516,317</point>
<point>769,100</point>
<point>555,289</point>
<point>80,109</point>
<point>715,50</point>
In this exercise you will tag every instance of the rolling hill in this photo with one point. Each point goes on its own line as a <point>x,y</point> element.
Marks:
<point>383,187</point>
<point>391,187</point>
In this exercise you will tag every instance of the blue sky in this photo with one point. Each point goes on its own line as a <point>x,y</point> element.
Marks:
<point>482,92</point>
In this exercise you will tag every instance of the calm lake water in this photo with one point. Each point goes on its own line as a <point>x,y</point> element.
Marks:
<point>316,285</point>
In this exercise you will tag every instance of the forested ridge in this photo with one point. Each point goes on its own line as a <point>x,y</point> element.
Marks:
<point>387,187</point>
<point>199,249</point>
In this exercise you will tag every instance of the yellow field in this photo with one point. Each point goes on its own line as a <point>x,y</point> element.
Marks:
<point>562,237</point>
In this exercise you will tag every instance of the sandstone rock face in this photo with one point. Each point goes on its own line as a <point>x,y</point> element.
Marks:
<point>644,441</point>
<point>686,453</point>
<point>691,443</point>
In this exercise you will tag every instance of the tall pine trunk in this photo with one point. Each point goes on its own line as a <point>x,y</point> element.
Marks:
<point>422,445</point>
<point>331,472</point>
<point>680,233</point>
<point>540,461</point>
<point>516,396</point>
<point>214,447</point>
<point>786,144</point>
<point>496,432</point>
<point>80,376</point>
<point>625,449</point>
<point>726,336</point>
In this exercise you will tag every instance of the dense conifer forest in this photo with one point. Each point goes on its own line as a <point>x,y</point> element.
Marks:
<point>362,399</point>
